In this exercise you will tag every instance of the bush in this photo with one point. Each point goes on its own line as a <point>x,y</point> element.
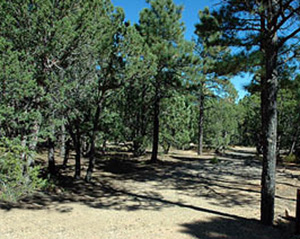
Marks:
<point>17,178</point>
<point>292,158</point>
<point>214,160</point>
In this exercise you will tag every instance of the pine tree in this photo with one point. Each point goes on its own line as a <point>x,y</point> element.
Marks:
<point>162,30</point>
<point>268,26</point>
<point>209,76</point>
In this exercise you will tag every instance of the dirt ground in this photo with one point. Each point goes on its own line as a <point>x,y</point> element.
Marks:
<point>183,197</point>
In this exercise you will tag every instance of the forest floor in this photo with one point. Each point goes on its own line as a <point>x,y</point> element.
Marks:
<point>182,197</point>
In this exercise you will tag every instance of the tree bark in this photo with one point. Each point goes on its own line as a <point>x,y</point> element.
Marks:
<point>63,141</point>
<point>269,85</point>
<point>200,124</point>
<point>91,166</point>
<point>77,160</point>
<point>76,137</point>
<point>155,129</point>
<point>33,142</point>
<point>51,158</point>
<point>51,150</point>
<point>294,142</point>
<point>292,147</point>
<point>67,152</point>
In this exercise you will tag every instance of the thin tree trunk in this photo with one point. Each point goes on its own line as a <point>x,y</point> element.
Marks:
<point>295,137</point>
<point>77,159</point>
<point>292,147</point>
<point>23,155</point>
<point>269,85</point>
<point>76,137</point>
<point>155,129</point>
<point>24,158</point>
<point>78,154</point>
<point>51,158</point>
<point>200,124</point>
<point>63,141</point>
<point>67,152</point>
<point>104,146</point>
<point>91,166</point>
<point>33,142</point>
<point>167,148</point>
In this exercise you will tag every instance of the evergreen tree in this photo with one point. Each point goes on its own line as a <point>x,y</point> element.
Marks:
<point>162,29</point>
<point>268,26</point>
<point>134,98</point>
<point>209,74</point>
<point>176,117</point>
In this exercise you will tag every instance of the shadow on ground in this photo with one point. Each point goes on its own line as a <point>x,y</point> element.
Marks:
<point>230,228</point>
<point>122,182</point>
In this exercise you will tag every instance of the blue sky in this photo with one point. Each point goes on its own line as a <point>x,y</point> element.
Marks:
<point>190,18</point>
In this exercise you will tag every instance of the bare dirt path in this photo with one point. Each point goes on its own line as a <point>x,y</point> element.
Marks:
<point>184,197</point>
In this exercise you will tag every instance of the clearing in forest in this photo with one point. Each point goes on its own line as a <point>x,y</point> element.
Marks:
<point>184,196</point>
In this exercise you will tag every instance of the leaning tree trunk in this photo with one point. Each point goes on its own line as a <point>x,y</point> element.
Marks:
<point>294,141</point>
<point>200,124</point>
<point>155,129</point>
<point>269,85</point>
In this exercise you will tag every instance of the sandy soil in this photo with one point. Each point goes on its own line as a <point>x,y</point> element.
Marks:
<point>184,197</point>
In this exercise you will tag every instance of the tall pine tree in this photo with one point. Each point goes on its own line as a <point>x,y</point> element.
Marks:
<point>264,26</point>
<point>162,29</point>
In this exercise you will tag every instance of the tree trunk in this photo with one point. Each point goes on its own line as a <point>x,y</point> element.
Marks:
<point>92,152</point>
<point>76,136</point>
<point>269,85</point>
<point>104,146</point>
<point>167,148</point>
<point>294,142</point>
<point>24,158</point>
<point>292,147</point>
<point>51,158</point>
<point>200,124</point>
<point>77,159</point>
<point>63,141</point>
<point>91,166</point>
<point>33,142</point>
<point>67,152</point>
<point>23,155</point>
<point>155,129</point>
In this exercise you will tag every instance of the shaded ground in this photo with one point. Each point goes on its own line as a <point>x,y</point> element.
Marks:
<point>184,196</point>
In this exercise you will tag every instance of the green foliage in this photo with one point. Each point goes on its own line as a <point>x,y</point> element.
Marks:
<point>176,122</point>
<point>133,101</point>
<point>219,127</point>
<point>16,177</point>
<point>214,160</point>
<point>250,123</point>
<point>291,158</point>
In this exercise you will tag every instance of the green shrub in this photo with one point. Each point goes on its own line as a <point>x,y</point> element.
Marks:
<point>292,158</point>
<point>215,160</point>
<point>17,178</point>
